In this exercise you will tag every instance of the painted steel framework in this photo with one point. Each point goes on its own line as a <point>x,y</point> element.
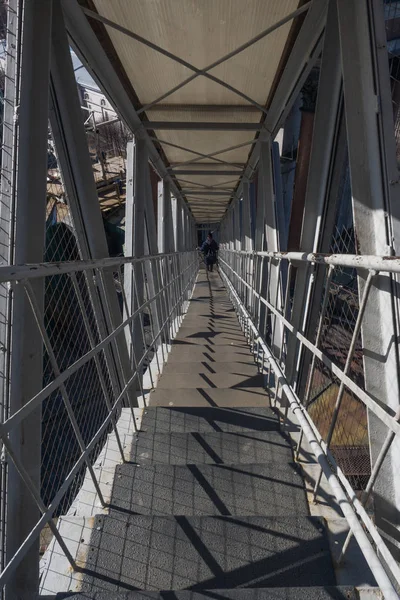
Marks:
<point>281,297</point>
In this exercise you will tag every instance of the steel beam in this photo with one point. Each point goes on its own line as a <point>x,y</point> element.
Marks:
<point>212,155</point>
<point>268,238</point>
<point>7,209</point>
<point>129,249</point>
<point>200,155</point>
<point>196,192</point>
<point>140,175</point>
<point>326,125</point>
<point>201,126</point>
<point>372,209</point>
<point>95,60</point>
<point>332,201</point>
<point>206,172</point>
<point>77,171</point>
<point>281,217</point>
<point>27,345</point>
<point>164,201</point>
<point>207,108</point>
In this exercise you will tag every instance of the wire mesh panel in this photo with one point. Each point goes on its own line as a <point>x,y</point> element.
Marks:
<point>349,443</point>
<point>78,401</point>
<point>332,411</point>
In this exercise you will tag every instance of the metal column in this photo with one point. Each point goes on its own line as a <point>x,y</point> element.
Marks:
<point>76,167</point>
<point>373,223</point>
<point>247,241</point>
<point>164,215</point>
<point>322,155</point>
<point>140,175</point>
<point>27,357</point>
<point>7,207</point>
<point>129,245</point>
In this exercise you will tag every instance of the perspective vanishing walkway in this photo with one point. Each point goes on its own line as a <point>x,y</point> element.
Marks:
<point>211,501</point>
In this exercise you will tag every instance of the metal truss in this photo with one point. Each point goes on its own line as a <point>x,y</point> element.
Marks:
<point>197,72</point>
<point>233,265</point>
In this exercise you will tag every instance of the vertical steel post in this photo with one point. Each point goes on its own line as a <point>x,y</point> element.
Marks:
<point>7,208</point>
<point>128,246</point>
<point>247,242</point>
<point>174,212</point>
<point>76,167</point>
<point>164,203</point>
<point>326,124</point>
<point>27,357</point>
<point>375,215</point>
<point>141,167</point>
<point>151,248</point>
<point>267,238</point>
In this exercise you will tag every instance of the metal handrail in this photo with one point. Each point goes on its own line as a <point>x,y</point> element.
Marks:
<point>351,507</point>
<point>174,276</point>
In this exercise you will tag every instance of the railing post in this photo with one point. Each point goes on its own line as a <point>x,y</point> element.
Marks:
<point>141,167</point>
<point>27,356</point>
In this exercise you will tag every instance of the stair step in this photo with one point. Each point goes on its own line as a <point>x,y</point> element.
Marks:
<point>210,353</point>
<point>191,418</point>
<point>204,447</point>
<point>218,397</point>
<point>172,553</point>
<point>294,593</point>
<point>201,336</point>
<point>201,490</point>
<point>209,380</point>
<point>237,368</point>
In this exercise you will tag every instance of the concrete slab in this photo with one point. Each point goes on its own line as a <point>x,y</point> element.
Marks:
<point>202,336</point>
<point>294,593</point>
<point>253,396</point>
<point>202,447</point>
<point>200,419</point>
<point>160,553</point>
<point>208,380</point>
<point>206,489</point>
<point>211,327</point>
<point>210,353</point>
<point>213,340</point>
<point>235,368</point>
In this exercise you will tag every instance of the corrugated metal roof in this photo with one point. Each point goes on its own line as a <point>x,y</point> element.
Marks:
<point>201,32</point>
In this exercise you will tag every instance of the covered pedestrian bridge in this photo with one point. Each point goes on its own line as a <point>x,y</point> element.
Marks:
<point>175,433</point>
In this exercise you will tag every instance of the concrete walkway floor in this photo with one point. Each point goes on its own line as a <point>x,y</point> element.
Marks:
<point>209,500</point>
<point>210,363</point>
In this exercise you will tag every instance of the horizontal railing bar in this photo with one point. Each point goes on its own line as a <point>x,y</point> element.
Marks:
<point>378,540</point>
<point>386,264</point>
<point>25,410</point>
<point>22,550</point>
<point>378,410</point>
<point>345,504</point>
<point>31,271</point>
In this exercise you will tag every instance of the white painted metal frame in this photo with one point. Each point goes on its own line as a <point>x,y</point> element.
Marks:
<point>367,264</point>
<point>182,271</point>
<point>352,509</point>
<point>27,347</point>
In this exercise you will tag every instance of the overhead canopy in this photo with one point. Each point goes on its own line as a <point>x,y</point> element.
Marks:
<point>205,127</point>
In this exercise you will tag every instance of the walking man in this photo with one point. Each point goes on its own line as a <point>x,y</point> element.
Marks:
<point>210,250</point>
